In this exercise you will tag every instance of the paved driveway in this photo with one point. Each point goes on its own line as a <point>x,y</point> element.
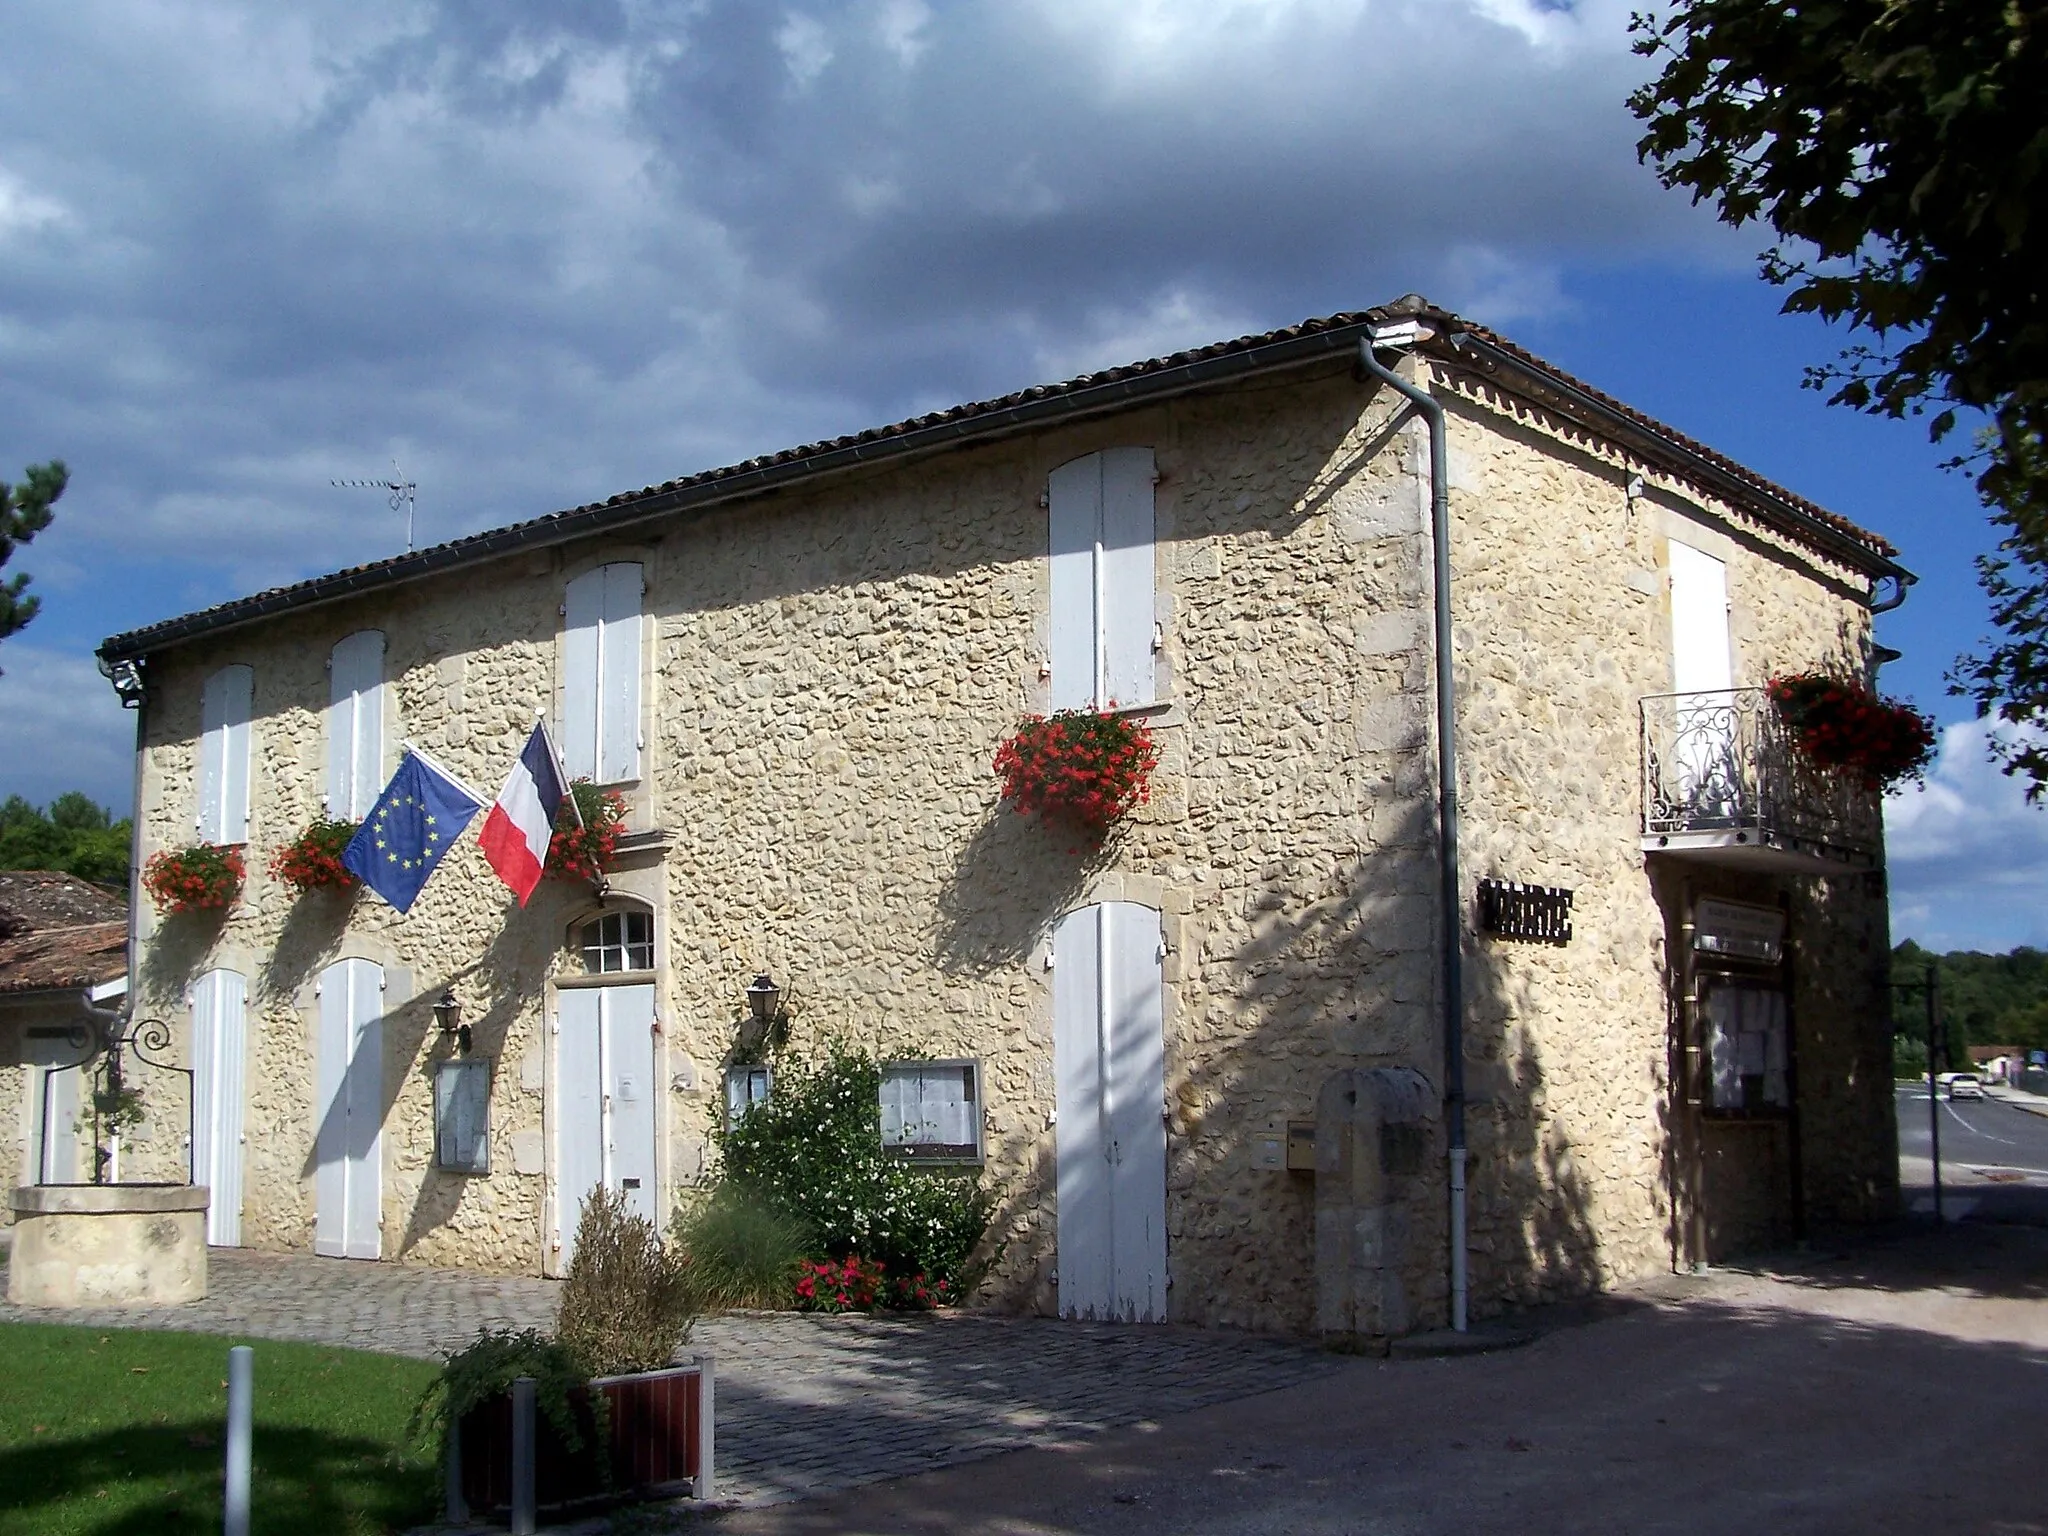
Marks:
<point>805,1404</point>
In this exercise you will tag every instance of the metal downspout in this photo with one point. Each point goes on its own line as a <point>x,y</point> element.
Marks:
<point>1451,915</point>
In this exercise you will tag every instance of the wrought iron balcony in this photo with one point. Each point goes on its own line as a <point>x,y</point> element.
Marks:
<point>1723,781</point>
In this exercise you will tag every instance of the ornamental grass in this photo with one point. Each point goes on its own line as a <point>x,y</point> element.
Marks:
<point>1846,728</point>
<point>202,878</point>
<point>1079,768</point>
<point>312,860</point>
<point>586,851</point>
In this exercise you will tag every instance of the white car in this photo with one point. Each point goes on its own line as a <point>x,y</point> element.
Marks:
<point>1962,1085</point>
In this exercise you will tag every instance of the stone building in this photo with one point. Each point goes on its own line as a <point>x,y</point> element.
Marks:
<point>1206,1067</point>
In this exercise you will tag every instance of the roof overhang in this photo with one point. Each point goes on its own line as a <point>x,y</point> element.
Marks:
<point>1090,395</point>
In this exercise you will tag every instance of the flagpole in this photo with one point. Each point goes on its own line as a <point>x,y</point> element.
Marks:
<point>540,719</point>
<point>441,768</point>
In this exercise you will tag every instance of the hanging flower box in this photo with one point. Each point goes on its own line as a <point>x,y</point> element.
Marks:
<point>197,879</point>
<point>1082,769</point>
<point>586,852</point>
<point>1846,728</point>
<point>312,860</point>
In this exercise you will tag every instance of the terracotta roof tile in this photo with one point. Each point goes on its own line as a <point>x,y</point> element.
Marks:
<point>34,899</point>
<point>54,958</point>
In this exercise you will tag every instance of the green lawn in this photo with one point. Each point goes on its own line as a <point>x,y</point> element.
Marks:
<point>113,1432</point>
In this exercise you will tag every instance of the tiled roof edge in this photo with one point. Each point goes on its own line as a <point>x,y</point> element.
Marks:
<point>1041,405</point>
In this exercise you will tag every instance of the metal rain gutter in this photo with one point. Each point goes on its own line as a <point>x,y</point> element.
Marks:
<point>1404,337</point>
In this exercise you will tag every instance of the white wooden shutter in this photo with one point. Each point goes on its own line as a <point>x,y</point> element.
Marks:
<point>579,1119</point>
<point>330,1132</point>
<point>219,1049</point>
<point>1074,505</point>
<point>1080,1140</point>
<point>618,735</point>
<point>1127,574</point>
<point>629,1097</point>
<point>349,1139</point>
<point>582,626</point>
<point>1135,1090</point>
<point>601,675</point>
<point>1700,660</point>
<point>355,725</point>
<point>224,710</point>
<point>1100,514</point>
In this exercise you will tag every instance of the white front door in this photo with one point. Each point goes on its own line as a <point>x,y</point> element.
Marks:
<point>1110,1127</point>
<point>604,1122</point>
<point>220,1034</point>
<point>348,1140</point>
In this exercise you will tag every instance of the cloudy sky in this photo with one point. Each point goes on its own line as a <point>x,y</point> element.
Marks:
<point>540,254</point>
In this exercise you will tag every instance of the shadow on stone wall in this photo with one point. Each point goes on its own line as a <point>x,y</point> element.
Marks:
<point>1008,887</point>
<point>172,959</point>
<point>311,932</point>
<point>1340,970</point>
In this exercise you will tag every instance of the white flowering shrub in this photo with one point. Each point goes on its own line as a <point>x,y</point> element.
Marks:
<point>812,1151</point>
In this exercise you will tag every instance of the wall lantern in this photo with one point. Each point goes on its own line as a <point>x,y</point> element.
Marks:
<point>448,1014</point>
<point>762,996</point>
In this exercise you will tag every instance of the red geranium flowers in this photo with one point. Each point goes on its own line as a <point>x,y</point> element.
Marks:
<point>201,878</point>
<point>1845,727</point>
<point>1079,767</point>
<point>312,860</point>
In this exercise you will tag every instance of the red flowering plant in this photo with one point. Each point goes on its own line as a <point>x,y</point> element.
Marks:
<point>1845,727</point>
<point>919,1292</point>
<point>851,1284</point>
<point>585,851</point>
<point>312,860</point>
<point>202,878</point>
<point>1078,767</point>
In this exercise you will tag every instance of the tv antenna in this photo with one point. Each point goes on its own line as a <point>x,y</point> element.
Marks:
<point>397,489</point>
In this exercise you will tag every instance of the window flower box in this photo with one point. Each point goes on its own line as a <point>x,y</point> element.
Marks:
<point>312,860</point>
<point>1078,768</point>
<point>656,1442</point>
<point>1846,728</point>
<point>205,877</point>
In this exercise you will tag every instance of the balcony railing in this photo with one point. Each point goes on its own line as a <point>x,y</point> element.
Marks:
<point>1721,775</point>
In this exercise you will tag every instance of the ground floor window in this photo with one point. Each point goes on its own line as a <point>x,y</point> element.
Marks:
<point>744,1088</point>
<point>932,1110</point>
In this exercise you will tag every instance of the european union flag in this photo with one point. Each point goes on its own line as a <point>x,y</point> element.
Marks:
<point>413,824</point>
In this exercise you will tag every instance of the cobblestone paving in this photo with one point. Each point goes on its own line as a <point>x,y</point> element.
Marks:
<point>805,1404</point>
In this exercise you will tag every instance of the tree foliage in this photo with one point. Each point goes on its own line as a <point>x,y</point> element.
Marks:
<point>24,513</point>
<point>73,835</point>
<point>1899,150</point>
<point>1985,999</point>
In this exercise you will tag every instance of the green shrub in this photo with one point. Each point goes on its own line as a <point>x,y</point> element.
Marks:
<point>626,1302</point>
<point>740,1254</point>
<point>485,1371</point>
<point>813,1152</point>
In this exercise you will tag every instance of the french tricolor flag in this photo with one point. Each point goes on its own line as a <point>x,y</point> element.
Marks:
<point>515,835</point>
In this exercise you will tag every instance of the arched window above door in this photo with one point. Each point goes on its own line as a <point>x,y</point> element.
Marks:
<point>614,941</point>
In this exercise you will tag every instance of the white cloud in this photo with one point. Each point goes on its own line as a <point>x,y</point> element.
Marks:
<point>548,252</point>
<point>806,47</point>
<point>1968,855</point>
<point>65,729</point>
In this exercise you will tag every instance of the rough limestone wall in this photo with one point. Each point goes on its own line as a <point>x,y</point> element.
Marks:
<point>829,675</point>
<point>466,668</point>
<point>835,679</point>
<point>1563,623</point>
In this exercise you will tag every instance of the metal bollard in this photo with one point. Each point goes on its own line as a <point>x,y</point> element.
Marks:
<point>522,1456</point>
<point>458,1506</point>
<point>241,1390</point>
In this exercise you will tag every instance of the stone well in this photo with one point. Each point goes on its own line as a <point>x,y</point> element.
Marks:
<point>90,1245</point>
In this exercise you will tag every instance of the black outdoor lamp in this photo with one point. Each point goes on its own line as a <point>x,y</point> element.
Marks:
<point>448,1014</point>
<point>762,996</point>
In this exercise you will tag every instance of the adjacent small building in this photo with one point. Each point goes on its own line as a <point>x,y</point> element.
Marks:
<point>63,980</point>
<point>1213,1070</point>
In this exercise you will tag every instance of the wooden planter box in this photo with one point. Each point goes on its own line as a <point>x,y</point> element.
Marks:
<point>659,1445</point>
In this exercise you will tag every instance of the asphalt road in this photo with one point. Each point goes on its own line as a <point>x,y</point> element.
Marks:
<point>1994,1158</point>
